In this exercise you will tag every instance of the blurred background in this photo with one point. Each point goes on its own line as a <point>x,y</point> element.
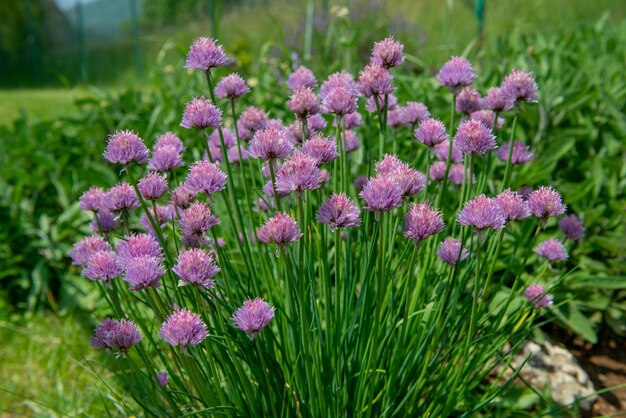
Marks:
<point>72,71</point>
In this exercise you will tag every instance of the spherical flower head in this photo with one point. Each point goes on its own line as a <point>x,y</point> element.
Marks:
<point>86,248</point>
<point>121,197</point>
<point>301,78</point>
<point>339,101</point>
<point>572,227</point>
<point>519,86</point>
<point>441,152</point>
<point>513,206</point>
<point>93,199</point>
<point>487,117</point>
<point>233,155</point>
<point>162,378</point>
<point>456,73</point>
<point>458,174</point>
<point>281,229</point>
<point>409,180</point>
<point>321,149</point>
<point>536,294</point>
<point>316,122</point>
<point>298,174</point>
<point>421,222</point>
<point>253,316</point>
<point>164,214</point>
<point>375,80</point>
<point>201,113</point>
<point>196,267</point>
<point>116,335</point>
<point>450,251</point>
<point>468,101</point>
<point>182,197</point>
<point>251,120</point>
<point>394,117</point>
<point>388,165</point>
<point>125,147</point>
<point>388,53</point>
<point>381,194</point>
<point>270,144</point>
<point>229,138</point>
<point>183,328</point>
<point>143,272</point>
<point>165,158</point>
<point>473,137</point>
<point>197,219</point>
<point>152,186</point>
<point>231,87</point>
<point>104,222</point>
<point>138,245</point>
<point>431,132</point>
<point>205,53</point>
<point>303,102</point>
<point>414,113</point>
<point>521,153</point>
<point>339,79</point>
<point>169,139</point>
<point>205,177</point>
<point>373,101</point>
<point>482,213</point>
<point>339,212</point>
<point>351,141</point>
<point>495,101</point>
<point>103,266</point>
<point>437,171</point>
<point>552,249</point>
<point>352,120</point>
<point>545,203</point>
<point>360,182</point>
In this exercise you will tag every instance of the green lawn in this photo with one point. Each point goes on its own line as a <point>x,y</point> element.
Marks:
<point>37,103</point>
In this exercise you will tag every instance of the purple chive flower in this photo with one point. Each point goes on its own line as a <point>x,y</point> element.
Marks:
<point>457,175</point>
<point>298,174</point>
<point>513,206</point>
<point>121,197</point>
<point>536,294</point>
<point>229,138</point>
<point>205,53</point>
<point>163,215</point>
<point>352,142</point>
<point>316,122</point>
<point>572,227</point>
<point>103,266</point>
<point>93,199</point>
<point>468,101</point>
<point>201,113</point>
<point>231,87</point>
<point>388,53</point>
<point>482,213</point>
<point>437,170</point>
<point>303,102</point>
<point>352,120</point>
<point>545,203</point>
<point>360,182</point>
<point>281,229</point>
<point>409,180</point>
<point>162,378</point>
<point>116,335</point>
<point>388,165</point>
<point>86,248</point>
<point>375,80</point>
<point>143,272</point>
<point>552,249</point>
<point>169,139</point>
<point>301,78</point>
<point>165,158</point>
<point>270,144</point>
<point>495,101</point>
<point>152,186</point>
<point>487,117</point>
<point>182,197</point>
<point>183,328</point>
<point>421,222</point>
<point>392,103</point>
<point>205,177</point>
<point>456,74</point>
<point>251,120</point>
<point>253,316</point>
<point>138,245</point>
<point>265,168</point>
<point>197,219</point>
<point>441,152</point>
<point>473,137</point>
<point>381,194</point>
<point>339,79</point>
<point>321,149</point>
<point>339,101</point>
<point>519,86</point>
<point>196,267</point>
<point>233,155</point>
<point>414,113</point>
<point>125,147</point>
<point>521,153</point>
<point>339,212</point>
<point>394,117</point>
<point>431,132</point>
<point>104,222</point>
<point>449,251</point>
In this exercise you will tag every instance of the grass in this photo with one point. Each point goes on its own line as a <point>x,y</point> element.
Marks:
<point>38,103</point>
